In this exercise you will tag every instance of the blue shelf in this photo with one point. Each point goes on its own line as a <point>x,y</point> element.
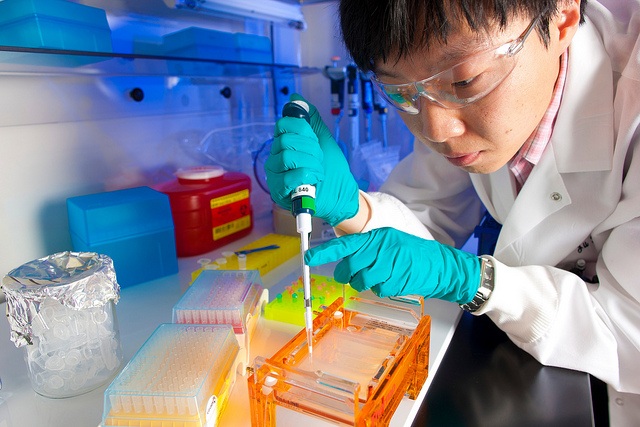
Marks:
<point>20,60</point>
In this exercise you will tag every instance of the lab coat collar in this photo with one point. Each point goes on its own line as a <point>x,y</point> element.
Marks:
<point>584,127</point>
<point>582,141</point>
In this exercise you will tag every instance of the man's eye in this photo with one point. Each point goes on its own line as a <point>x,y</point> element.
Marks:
<point>462,84</point>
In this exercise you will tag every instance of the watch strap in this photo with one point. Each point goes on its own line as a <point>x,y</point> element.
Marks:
<point>484,291</point>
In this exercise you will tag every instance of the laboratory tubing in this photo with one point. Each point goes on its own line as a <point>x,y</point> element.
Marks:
<point>355,157</point>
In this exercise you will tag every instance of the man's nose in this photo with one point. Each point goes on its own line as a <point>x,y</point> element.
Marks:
<point>439,123</point>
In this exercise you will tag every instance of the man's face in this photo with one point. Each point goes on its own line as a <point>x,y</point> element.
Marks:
<point>483,136</point>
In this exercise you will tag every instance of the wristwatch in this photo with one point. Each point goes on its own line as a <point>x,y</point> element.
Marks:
<point>485,289</point>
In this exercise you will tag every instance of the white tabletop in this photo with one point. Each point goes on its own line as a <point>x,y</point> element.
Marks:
<point>141,309</point>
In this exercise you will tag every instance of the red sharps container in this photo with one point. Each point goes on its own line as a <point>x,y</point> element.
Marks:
<point>210,208</point>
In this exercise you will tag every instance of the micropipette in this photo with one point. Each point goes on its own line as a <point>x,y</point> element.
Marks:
<point>353,107</point>
<point>337,76</point>
<point>303,207</point>
<point>367,104</point>
<point>381,106</point>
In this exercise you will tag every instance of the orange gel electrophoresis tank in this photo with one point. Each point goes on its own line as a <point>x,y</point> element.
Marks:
<point>367,355</point>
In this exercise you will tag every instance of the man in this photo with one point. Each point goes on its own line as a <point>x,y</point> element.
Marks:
<point>530,110</point>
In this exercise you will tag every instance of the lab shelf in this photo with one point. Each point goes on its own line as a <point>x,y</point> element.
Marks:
<point>110,86</point>
<point>39,61</point>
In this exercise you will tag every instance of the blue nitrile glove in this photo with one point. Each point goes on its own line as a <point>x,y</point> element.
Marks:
<point>303,153</point>
<point>391,263</point>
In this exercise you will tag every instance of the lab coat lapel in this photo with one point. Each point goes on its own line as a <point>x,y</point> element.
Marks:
<point>543,194</point>
<point>497,192</point>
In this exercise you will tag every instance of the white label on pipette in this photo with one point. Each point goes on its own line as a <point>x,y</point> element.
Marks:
<point>304,190</point>
<point>211,413</point>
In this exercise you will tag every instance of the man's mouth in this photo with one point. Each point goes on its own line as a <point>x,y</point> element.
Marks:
<point>463,160</point>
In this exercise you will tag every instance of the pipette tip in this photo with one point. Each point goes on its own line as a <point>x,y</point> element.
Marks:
<point>310,341</point>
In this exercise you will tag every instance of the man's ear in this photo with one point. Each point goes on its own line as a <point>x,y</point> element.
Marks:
<point>564,24</point>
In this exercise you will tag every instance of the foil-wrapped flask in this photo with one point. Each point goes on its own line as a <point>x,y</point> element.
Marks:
<point>61,309</point>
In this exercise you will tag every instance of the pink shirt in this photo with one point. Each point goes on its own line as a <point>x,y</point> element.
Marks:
<point>530,153</point>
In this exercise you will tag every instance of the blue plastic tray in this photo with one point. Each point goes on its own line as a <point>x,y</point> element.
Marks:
<point>133,226</point>
<point>54,24</point>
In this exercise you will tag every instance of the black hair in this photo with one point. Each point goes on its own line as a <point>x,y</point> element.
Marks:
<point>377,29</point>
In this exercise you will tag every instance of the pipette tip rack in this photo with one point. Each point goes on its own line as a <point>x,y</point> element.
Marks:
<point>180,377</point>
<point>221,297</point>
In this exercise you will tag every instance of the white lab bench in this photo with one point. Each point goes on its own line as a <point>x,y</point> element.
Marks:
<point>142,308</point>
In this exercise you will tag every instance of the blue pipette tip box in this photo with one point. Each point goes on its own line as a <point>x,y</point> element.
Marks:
<point>218,45</point>
<point>133,226</point>
<point>54,24</point>
<point>181,376</point>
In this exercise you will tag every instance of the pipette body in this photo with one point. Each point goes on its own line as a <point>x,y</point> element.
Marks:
<point>303,208</point>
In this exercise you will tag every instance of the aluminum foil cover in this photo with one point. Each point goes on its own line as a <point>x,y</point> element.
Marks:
<point>77,280</point>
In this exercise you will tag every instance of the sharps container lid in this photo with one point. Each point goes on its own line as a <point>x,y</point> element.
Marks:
<point>200,173</point>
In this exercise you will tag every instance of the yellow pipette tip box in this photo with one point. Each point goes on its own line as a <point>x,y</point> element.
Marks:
<point>181,376</point>
<point>262,260</point>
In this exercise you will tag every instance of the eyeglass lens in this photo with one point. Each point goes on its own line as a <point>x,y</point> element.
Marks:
<point>461,84</point>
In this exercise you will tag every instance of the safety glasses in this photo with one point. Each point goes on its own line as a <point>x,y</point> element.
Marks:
<point>461,84</point>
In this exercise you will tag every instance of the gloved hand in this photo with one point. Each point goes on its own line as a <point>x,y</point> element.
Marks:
<point>306,153</point>
<point>391,263</point>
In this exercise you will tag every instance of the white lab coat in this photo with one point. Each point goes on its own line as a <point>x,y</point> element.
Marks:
<point>582,201</point>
